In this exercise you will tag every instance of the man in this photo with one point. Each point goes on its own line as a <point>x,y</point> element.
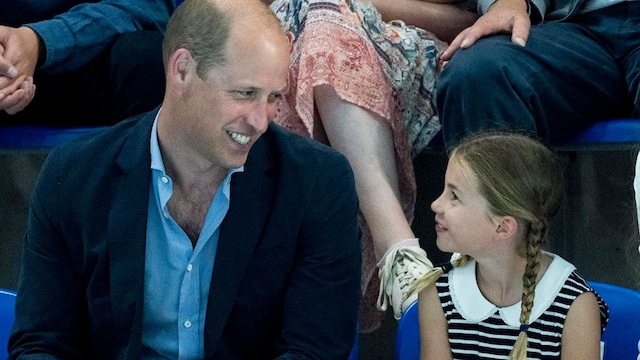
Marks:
<point>79,62</point>
<point>199,231</point>
<point>579,63</point>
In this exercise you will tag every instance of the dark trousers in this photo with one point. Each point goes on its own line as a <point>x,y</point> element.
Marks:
<point>126,80</point>
<point>569,75</point>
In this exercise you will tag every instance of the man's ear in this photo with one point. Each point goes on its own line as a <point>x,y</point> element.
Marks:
<point>181,67</point>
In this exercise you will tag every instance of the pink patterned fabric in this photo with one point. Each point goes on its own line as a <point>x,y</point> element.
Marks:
<point>388,69</point>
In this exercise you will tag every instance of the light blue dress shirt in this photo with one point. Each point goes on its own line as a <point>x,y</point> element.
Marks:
<point>177,276</point>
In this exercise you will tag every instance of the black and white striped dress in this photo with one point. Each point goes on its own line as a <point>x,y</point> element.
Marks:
<point>479,329</point>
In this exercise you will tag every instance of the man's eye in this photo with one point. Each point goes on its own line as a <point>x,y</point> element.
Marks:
<point>274,97</point>
<point>245,93</point>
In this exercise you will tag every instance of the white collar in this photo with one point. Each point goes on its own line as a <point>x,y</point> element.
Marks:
<point>474,307</point>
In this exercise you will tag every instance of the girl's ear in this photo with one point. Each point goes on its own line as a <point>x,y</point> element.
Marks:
<point>508,226</point>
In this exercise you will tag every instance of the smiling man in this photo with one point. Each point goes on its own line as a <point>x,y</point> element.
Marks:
<point>199,230</point>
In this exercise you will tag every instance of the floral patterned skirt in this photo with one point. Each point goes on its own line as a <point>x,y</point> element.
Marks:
<point>385,68</point>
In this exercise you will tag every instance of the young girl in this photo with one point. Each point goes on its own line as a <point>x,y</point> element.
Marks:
<point>502,296</point>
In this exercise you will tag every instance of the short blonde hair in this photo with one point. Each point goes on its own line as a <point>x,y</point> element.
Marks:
<point>204,27</point>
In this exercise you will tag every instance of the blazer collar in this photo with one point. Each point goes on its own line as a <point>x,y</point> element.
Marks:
<point>252,196</point>
<point>127,233</point>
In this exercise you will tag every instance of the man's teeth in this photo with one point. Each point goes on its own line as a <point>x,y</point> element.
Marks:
<point>239,138</point>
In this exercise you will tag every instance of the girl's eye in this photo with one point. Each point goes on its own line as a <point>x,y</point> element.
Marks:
<point>453,196</point>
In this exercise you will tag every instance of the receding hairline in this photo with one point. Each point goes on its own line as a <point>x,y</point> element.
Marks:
<point>250,13</point>
<point>234,20</point>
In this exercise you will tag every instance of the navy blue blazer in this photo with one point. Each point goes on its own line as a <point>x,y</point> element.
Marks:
<point>287,270</point>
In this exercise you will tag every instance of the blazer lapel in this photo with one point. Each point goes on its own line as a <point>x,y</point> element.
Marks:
<point>252,193</point>
<point>127,235</point>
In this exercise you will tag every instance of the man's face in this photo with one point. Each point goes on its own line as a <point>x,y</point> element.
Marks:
<point>228,110</point>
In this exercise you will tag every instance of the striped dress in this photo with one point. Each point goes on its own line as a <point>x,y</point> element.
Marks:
<point>479,329</point>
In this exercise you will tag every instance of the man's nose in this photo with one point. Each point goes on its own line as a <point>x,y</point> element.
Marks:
<point>261,114</point>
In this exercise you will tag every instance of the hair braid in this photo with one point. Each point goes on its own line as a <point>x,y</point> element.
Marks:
<point>432,276</point>
<point>535,237</point>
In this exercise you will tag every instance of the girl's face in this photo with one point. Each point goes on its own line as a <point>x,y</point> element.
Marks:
<point>463,223</point>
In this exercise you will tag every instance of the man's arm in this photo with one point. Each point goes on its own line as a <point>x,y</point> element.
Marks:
<point>321,306</point>
<point>69,41</point>
<point>74,38</point>
<point>51,317</point>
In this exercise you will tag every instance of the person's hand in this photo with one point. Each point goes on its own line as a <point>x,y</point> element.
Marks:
<point>17,95</point>
<point>18,92</point>
<point>18,59</point>
<point>6,67</point>
<point>504,16</point>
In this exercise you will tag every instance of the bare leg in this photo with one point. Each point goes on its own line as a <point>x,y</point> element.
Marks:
<point>367,142</point>
<point>446,19</point>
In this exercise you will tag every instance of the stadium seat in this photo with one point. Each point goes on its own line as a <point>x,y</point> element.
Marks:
<point>7,310</point>
<point>408,335</point>
<point>621,337</point>
<point>39,137</point>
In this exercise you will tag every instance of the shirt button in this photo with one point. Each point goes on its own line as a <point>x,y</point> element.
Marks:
<point>165,180</point>
<point>189,267</point>
<point>187,324</point>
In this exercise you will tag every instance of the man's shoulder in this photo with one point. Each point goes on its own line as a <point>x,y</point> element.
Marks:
<point>297,148</point>
<point>109,137</point>
<point>105,142</point>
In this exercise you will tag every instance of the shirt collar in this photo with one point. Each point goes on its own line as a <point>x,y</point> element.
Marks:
<point>156,157</point>
<point>474,307</point>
